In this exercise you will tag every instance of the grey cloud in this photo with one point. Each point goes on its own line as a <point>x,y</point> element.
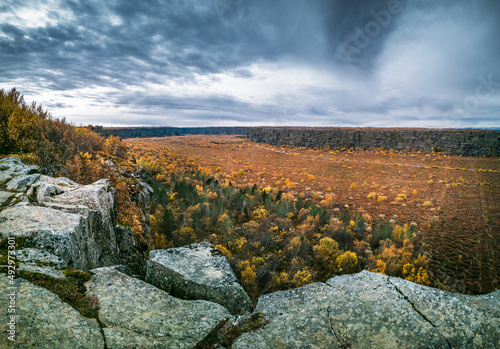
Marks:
<point>118,44</point>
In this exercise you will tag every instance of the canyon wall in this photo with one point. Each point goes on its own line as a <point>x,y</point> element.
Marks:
<point>457,142</point>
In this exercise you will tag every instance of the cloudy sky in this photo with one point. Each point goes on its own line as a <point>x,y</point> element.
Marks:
<point>391,63</point>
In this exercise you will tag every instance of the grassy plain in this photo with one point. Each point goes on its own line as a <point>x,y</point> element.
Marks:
<point>453,201</point>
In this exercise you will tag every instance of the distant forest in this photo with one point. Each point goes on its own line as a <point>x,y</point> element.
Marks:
<point>145,132</point>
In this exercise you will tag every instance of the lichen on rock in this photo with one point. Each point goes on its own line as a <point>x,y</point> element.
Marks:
<point>133,310</point>
<point>197,271</point>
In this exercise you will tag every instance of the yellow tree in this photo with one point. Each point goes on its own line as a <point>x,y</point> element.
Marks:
<point>347,262</point>
<point>326,253</point>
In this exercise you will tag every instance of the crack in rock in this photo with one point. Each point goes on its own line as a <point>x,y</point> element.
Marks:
<point>328,310</point>
<point>418,311</point>
<point>342,344</point>
<point>101,328</point>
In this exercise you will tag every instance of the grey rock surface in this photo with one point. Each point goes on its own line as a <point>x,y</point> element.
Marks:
<point>197,271</point>
<point>41,261</point>
<point>369,310</point>
<point>465,321</point>
<point>44,321</point>
<point>137,314</point>
<point>298,318</point>
<point>4,196</point>
<point>22,181</point>
<point>75,222</point>
<point>361,298</point>
<point>12,167</point>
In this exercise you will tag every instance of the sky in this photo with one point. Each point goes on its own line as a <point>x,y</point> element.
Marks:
<point>365,63</point>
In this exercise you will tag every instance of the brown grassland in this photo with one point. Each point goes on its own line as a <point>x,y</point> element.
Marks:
<point>452,201</point>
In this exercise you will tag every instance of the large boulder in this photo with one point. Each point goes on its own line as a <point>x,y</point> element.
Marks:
<point>62,233</point>
<point>74,222</point>
<point>138,315</point>
<point>197,271</point>
<point>369,310</point>
<point>42,320</point>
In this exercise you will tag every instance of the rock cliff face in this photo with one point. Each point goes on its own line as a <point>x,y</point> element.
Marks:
<point>57,223</point>
<point>458,142</point>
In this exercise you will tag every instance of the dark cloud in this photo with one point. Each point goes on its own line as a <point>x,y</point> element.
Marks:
<point>321,62</point>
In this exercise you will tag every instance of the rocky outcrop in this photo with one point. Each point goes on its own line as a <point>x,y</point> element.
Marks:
<point>136,314</point>
<point>71,221</point>
<point>42,320</point>
<point>376,311</point>
<point>198,271</point>
<point>458,142</point>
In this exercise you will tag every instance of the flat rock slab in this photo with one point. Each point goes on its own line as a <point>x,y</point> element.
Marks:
<point>465,321</point>
<point>298,318</point>
<point>198,271</point>
<point>44,321</point>
<point>137,314</point>
<point>368,310</point>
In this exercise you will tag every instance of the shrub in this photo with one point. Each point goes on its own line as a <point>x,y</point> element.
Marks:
<point>382,198</point>
<point>347,262</point>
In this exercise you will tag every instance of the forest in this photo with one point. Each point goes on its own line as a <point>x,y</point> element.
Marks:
<point>275,239</point>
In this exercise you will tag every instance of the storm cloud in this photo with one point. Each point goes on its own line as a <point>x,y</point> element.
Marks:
<point>256,62</point>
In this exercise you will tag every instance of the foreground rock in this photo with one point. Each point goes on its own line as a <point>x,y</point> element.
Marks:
<point>197,271</point>
<point>465,321</point>
<point>376,311</point>
<point>44,321</point>
<point>138,315</point>
<point>298,318</point>
<point>359,299</point>
<point>74,222</point>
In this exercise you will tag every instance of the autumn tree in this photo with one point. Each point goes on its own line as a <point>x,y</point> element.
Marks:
<point>347,262</point>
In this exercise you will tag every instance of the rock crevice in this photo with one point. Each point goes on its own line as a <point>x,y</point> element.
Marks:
<point>418,311</point>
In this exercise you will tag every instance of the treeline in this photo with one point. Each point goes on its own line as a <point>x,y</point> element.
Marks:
<point>142,132</point>
<point>28,130</point>
<point>275,240</point>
